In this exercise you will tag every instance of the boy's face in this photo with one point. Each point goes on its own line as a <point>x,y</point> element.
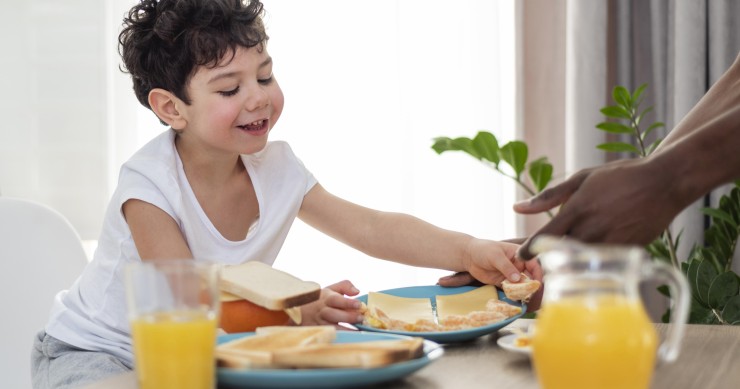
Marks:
<point>233,105</point>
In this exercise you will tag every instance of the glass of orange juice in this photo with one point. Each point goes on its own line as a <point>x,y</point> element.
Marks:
<point>173,310</point>
<point>592,330</point>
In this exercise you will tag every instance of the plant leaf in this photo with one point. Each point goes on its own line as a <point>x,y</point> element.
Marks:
<point>615,128</point>
<point>653,146</point>
<point>659,250</point>
<point>663,289</point>
<point>638,120</point>
<point>636,96</point>
<point>622,96</point>
<point>691,275</point>
<point>705,273</point>
<point>485,145</point>
<point>615,111</point>
<point>540,171</point>
<point>443,144</point>
<point>720,214</point>
<point>515,154</point>
<point>618,147</point>
<point>731,311</point>
<point>723,288</point>
<point>700,314</point>
<point>651,128</point>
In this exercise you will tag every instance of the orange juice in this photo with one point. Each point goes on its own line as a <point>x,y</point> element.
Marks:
<point>603,341</point>
<point>175,350</point>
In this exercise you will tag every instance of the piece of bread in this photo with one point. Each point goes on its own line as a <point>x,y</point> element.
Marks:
<point>257,351</point>
<point>522,290</point>
<point>363,355</point>
<point>267,287</point>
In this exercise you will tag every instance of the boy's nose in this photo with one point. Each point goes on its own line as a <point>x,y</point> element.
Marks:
<point>257,98</point>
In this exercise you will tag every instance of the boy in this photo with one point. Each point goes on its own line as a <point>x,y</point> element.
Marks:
<point>213,187</point>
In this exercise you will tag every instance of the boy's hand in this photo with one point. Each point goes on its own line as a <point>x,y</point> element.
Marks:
<point>491,262</point>
<point>333,307</point>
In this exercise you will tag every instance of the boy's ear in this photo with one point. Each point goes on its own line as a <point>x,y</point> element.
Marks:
<point>164,104</point>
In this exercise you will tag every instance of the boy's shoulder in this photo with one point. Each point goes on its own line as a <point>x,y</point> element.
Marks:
<point>158,153</point>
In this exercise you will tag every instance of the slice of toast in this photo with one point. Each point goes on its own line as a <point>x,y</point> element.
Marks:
<point>258,351</point>
<point>267,287</point>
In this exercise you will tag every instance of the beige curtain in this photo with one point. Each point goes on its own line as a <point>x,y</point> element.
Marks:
<point>575,51</point>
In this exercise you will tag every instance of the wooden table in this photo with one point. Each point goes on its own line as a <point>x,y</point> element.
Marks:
<point>710,358</point>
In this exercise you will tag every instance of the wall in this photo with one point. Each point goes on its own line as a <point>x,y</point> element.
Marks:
<point>53,107</point>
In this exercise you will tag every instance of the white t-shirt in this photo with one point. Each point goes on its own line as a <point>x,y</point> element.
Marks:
<point>92,314</point>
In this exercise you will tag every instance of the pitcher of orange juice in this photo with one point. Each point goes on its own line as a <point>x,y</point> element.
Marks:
<point>592,330</point>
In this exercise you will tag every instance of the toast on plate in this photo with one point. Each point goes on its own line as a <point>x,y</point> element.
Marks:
<point>311,347</point>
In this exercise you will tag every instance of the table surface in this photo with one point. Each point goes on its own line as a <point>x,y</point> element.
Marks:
<point>710,358</point>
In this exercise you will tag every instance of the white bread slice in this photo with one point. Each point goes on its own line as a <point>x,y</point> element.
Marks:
<point>349,355</point>
<point>414,346</point>
<point>267,287</point>
<point>257,351</point>
<point>243,359</point>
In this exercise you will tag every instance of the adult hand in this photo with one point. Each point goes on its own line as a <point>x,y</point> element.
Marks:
<point>332,307</point>
<point>626,201</point>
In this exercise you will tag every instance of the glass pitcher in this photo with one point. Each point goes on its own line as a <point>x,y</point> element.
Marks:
<point>592,330</point>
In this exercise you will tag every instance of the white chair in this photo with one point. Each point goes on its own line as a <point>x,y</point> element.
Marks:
<point>40,254</point>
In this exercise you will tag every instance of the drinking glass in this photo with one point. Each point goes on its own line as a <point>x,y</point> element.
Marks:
<point>173,309</point>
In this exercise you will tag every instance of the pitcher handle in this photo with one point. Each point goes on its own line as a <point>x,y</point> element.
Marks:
<point>679,290</point>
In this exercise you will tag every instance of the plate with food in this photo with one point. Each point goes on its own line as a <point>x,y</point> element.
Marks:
<point>444,314</point>
<point>318,357</point>
<point>516,342</point>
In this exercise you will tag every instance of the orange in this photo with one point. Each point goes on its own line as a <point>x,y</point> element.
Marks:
<point>245,316</point>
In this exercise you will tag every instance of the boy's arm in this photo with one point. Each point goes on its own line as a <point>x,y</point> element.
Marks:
<point>406,239</point>
<point>155,233</point>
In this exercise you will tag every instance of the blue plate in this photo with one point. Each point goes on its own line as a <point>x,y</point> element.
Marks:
<point>326,378</point>
<point>444,336</point>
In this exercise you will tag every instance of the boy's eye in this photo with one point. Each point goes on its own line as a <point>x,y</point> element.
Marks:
<point>265,81</point>
<point>229,92</point>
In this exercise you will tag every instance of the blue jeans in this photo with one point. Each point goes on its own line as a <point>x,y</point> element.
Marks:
<point>58,365</point>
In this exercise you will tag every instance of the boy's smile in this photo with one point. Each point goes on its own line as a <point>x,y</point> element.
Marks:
<point>233,105</point>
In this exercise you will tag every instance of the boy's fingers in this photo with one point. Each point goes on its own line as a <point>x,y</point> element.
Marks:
<point>344,287</point>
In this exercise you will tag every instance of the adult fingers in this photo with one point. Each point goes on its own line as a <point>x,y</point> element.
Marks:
<point>457,279</point>
<point>559,225</point>
<point>534,270</point>
<point>551,197</point>
<point>515,240</point>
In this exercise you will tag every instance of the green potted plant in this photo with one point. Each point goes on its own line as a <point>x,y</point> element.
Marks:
<point>715,287</point>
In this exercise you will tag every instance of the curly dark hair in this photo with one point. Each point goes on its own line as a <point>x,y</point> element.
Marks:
<point>163,42</point>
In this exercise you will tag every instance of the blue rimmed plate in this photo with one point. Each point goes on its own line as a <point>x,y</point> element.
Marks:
<point>430,292</point>
<point>326,378</point>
